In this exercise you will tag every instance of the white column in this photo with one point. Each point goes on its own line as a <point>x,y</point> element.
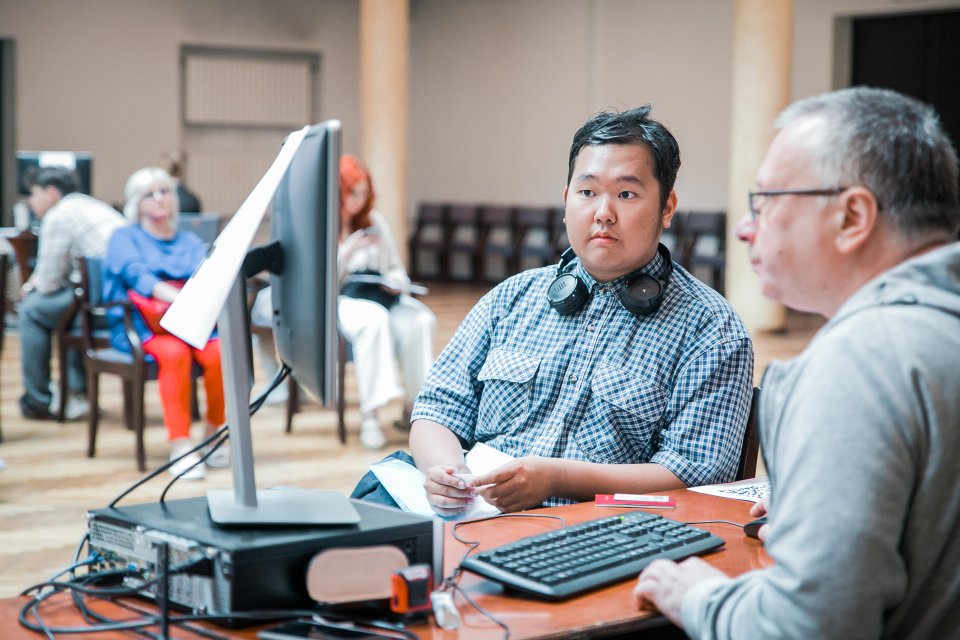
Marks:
<point>384,61</point>
<point>762,70</point>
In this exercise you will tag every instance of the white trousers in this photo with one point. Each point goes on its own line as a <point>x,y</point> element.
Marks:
<point>381,338</point>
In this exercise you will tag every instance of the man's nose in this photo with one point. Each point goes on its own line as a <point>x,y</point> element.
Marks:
<point>604,214</point>
<point>746,229</point>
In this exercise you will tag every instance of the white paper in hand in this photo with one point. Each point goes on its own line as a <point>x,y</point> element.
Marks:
<point>196,308</point>
<point>404,482</point>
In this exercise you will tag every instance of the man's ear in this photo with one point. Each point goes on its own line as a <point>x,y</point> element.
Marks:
<point>565,188</point>
<point>668,210</point>
<point>858,221</point>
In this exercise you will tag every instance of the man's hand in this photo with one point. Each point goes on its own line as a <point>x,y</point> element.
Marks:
<point>447,494</point>
<point>664,583</point>
<point>758,510</point>
<point>520,484</point>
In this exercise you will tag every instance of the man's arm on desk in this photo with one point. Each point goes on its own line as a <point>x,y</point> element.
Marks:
<point>526,482</point>
<point>438,453</point>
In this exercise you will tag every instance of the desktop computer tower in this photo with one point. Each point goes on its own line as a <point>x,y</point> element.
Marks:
<point>242,569</point>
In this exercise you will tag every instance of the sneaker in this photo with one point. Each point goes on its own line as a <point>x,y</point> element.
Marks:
<point>198,472</point>
<point>76,408</point>
<point>32,412</point>
<point>220,458</point>
<point>371,435</point>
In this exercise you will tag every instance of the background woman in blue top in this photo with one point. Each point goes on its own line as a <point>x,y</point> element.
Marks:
<point>143,261</point>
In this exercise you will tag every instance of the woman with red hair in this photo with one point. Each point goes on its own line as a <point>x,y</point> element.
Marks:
<point>383,325</point>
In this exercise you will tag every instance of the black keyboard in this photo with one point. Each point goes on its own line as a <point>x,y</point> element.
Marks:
<point>586,556</point>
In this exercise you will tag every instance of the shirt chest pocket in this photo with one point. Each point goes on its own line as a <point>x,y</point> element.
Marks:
<point>621,424</point>
<point>507,378</point>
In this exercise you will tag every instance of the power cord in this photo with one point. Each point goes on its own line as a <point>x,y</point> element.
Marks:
<point>222,435</point>
<point>451,582</point>
<point>735,524</point>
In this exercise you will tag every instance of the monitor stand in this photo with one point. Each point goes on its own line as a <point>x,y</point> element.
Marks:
<point>245,505</point>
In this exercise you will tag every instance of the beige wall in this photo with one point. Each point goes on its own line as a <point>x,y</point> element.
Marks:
<point>497,87</point>
<point>103,75</point>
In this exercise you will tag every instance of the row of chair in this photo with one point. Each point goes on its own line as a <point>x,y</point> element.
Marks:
<point>483,243</point>
<point>487,243</point>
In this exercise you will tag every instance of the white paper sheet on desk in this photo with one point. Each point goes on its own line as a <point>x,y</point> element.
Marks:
<point>404,482</point>
<point>752,490</point>
<point>196,308</point>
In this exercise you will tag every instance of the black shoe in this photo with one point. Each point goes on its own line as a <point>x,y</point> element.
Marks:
<point>32,412</point>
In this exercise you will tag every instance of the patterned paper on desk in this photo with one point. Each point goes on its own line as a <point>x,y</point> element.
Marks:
<point>752,490</point>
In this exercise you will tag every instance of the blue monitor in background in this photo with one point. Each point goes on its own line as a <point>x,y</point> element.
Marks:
<point>29,162</point>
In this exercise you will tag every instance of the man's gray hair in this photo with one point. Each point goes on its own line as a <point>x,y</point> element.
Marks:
<point>894,146</point>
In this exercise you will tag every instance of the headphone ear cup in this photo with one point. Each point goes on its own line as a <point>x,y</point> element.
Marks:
<point>642,295</point>
<point>567,294</point>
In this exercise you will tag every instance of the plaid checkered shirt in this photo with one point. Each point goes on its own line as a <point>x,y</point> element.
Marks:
<point>601,385</point>
<point>76,226</point>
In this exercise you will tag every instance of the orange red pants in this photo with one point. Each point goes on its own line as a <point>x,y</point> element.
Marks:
<point>175,360</point>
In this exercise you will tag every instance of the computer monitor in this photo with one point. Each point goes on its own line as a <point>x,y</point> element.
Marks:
<point>28,162</point>
<point>302,259</point>
<point>305,220</point>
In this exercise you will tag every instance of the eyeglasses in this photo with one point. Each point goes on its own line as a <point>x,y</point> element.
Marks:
<point>756,199</point>
<point>158,194</point>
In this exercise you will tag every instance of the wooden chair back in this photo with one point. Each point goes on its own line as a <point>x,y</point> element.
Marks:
<point>750,449</point>
<point>25,245</point>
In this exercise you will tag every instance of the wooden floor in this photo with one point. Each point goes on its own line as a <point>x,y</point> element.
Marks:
<point>49,483</point>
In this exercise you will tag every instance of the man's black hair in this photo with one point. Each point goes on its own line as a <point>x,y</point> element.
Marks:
<point>60,178</point>
<point>633,127</point>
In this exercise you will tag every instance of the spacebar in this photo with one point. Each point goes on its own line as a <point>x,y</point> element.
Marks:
<point>595,567</point>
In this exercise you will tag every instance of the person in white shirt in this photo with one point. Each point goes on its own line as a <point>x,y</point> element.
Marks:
<point>72,225</point>
<point>383,325</point>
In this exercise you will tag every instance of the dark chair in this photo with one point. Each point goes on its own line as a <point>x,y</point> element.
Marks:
<point>702,246</point>
<point>205,225</point>
<point>750,449</point>
<point>344,355</point>
<point>68,336</point>
<point>672,237</point>
<point>429,239</point>
<point>135,368</point>
<point>495,240</point>
<point>25,246</point>
<point>463,234</point>
<point>559,239</point>
<point>533,240</point>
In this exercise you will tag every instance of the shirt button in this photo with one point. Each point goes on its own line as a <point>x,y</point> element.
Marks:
<point>591,327</point>
<point>572,378</point>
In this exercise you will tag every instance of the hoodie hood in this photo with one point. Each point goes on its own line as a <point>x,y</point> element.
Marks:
<point>931,280</point>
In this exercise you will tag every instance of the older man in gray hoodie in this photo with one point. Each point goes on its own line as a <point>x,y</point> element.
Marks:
<point>856,218</point>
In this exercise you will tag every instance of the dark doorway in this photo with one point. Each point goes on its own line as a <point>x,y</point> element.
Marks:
<point>916,54</point>
<point>8,190</point>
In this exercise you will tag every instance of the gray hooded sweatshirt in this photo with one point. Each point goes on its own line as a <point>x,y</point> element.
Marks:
<point>861,436</point>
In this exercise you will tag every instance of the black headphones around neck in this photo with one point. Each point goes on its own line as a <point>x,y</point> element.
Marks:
<point>641,294</point>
